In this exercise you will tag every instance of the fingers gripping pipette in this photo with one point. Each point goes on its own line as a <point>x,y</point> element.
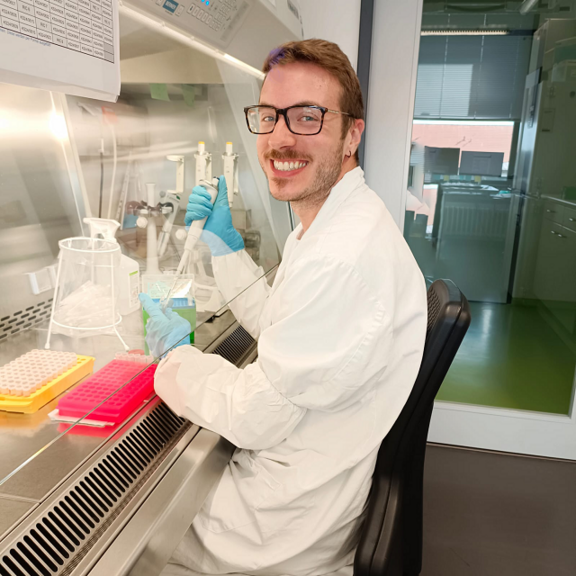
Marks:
<point>197,226</point>
<point>194,233</point>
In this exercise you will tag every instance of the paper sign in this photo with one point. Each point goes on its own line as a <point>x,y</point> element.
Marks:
<point>69,46</point>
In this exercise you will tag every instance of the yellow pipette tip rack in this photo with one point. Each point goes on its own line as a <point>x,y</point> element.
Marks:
<point>36,378</point>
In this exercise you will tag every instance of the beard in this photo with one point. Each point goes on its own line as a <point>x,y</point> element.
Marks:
<point>327,174</point>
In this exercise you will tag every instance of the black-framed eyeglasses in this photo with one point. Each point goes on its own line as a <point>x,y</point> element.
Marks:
<point>300,120</point>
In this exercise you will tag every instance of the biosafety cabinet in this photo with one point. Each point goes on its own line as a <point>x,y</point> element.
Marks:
<point>97,475</point>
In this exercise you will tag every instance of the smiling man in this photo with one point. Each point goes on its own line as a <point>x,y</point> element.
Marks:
<point>340,338</point>
<point>304,170</point>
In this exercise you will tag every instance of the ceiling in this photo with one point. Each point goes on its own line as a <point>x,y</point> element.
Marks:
<point>470,14</point>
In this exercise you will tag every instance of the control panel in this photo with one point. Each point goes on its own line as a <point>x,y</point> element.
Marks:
<point>214,21</point>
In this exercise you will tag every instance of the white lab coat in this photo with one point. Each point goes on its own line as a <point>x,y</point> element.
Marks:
<point>341,335</point>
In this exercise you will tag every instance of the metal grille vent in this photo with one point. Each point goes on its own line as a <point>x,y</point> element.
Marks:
<point>24,319</point>
<point>235,346</point>
<point>474,221</point>
<point>69,528</point>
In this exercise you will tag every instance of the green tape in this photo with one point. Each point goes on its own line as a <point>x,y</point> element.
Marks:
<point>159,92</point>
<point>189,92</point>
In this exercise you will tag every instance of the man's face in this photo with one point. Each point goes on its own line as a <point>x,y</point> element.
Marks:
<point>319,156</point>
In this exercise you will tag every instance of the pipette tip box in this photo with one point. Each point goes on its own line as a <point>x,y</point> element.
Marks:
<point>112,393</point>
<point>37,377</point>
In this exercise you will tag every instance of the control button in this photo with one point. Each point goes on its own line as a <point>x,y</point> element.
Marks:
<point>170,6</point>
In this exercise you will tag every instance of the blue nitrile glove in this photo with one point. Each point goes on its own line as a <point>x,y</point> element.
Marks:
<point>163,329</point>
<point>222,238</point>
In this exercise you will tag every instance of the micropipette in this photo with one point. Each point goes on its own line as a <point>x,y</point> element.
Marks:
<point>230,164</point>
<point>192,237</point>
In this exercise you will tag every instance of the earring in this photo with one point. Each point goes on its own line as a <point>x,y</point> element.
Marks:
<point>349,154</point>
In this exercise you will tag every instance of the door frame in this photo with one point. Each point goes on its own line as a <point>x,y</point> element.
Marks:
<point>504,430</point>
<point>393,63</point>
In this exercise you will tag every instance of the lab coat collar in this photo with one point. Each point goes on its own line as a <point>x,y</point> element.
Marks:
<point>349,182</point>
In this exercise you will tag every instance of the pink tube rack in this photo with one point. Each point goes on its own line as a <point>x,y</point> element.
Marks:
<point>106,382</point>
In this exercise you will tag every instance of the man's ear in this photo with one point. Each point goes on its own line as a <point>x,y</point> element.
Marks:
<point>355,135</point>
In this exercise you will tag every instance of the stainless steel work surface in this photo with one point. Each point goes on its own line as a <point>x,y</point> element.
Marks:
<point>12,512</point>
<point>51,450</point>
<point>53,463</point>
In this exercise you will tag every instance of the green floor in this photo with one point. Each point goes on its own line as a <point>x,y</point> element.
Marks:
<point>511,358</point>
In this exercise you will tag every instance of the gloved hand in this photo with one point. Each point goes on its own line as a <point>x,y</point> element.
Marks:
<point>163,329</point>
<point>222,238</point>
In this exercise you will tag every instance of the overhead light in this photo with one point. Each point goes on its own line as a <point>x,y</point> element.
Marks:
<point>527,5</point>
<point>166,29</point>
<point>469,32</point>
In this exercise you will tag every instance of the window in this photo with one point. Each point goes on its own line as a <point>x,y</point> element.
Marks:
<point>467,135</point>
<point>475,77</point>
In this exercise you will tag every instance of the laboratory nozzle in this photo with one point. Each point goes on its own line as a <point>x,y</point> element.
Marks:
<point>102,228</point>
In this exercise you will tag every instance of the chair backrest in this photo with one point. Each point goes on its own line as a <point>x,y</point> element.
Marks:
<point>400,463</point>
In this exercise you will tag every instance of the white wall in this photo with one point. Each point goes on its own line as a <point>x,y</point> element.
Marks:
<point>334,20</point>
<point>393,68</point>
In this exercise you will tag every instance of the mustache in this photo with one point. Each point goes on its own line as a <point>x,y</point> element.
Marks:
<point>287,155</point>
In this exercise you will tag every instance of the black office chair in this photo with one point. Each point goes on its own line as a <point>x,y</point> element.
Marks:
<point>391,538</point>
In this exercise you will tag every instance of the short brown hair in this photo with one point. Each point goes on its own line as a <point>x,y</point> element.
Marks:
<point>328,56</point>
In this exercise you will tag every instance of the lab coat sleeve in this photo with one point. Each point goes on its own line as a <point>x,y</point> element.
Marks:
<point>327,344</point>
<point>240,405</point>
<point>243,286</point>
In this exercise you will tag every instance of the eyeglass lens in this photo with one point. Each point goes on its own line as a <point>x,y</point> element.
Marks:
<point>301,120</point>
